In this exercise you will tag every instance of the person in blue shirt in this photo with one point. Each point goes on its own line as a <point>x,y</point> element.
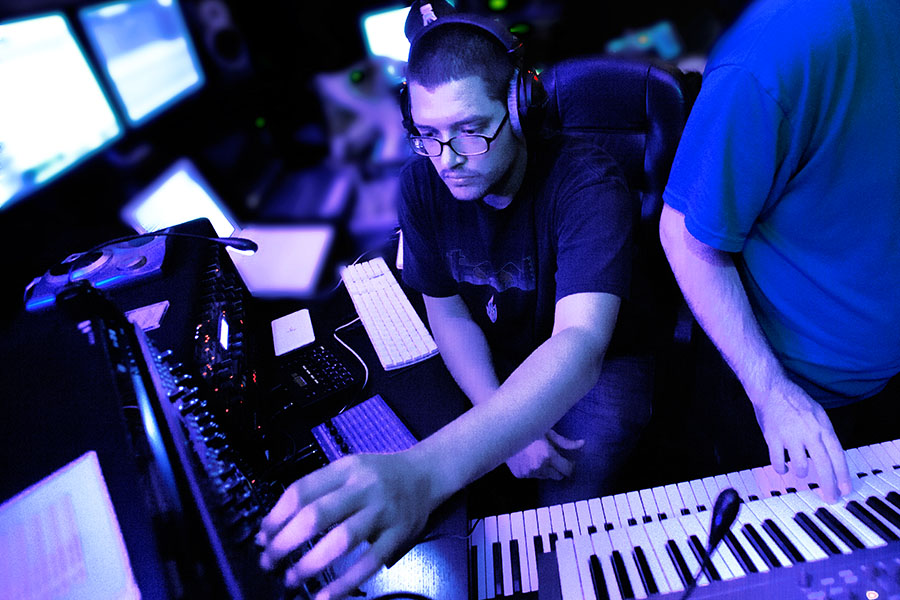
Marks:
<point>782,220</point>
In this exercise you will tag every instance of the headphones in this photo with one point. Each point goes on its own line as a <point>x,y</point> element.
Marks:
<point>526,97</point>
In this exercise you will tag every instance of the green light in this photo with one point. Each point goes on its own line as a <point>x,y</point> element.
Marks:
<point>520,28</point>
<point>356,75</point>
<point>260,122</point>
<point>497,4</point>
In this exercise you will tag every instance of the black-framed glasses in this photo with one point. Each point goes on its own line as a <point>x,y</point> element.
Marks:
<point>467,144</point>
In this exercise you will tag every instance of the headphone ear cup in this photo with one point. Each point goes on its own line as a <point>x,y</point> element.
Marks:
<point>405,109</point>
<point>514,105</point>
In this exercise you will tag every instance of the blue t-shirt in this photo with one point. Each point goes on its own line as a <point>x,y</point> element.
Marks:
<point>791,158</point>
<point>568,230</point>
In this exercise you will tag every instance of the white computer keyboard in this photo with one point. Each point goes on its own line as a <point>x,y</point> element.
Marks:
<point>396,330</point>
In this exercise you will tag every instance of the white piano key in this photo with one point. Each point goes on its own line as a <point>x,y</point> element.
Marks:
<point>544,527</point>
<point>476,539</point>
<point>639,539</point>
<point>804,544</point>
<point>737,531</point>
<point>503,536</point>
<point>735,481</point>
<point>712,487</point>
<point>651,509</point>
<point>749,479</point>
<point>705,520</point>
<point>675,500</point>
<point>624,510</point>
<point>584,517</point>
<point>557,520</point>
<point>490,537</point>
<point>722,482</point>
<point>892,449</point>
<point>700,496</point>
<point>603,551</point>
<point>662,502</point>
<point>597,516</point>
<point>610,513</point>
<point>874,462</point>
<point>693,526</point>
<point>517,527</point>
<point>637,507</point>
<point>569,580</point>
<point>570,517</point>
<point>885,461</point>
<point>583,551</point>
<point>676,533</point>
<point>531,531</point>
<point>657,538</point>
<point>750,518</point>
<point>762,482</point>
<point>687,496</point>
<point>619,540</point>
<point>840,512</point>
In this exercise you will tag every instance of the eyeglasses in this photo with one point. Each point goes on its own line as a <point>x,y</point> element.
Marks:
<point>467,144</point>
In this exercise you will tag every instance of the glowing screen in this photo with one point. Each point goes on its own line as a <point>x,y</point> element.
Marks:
<point>53,112</point>
<point>146,53</point>
<point>383,33</point>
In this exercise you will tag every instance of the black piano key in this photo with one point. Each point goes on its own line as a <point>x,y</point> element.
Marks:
<point>498,568</point>
<point>662,516</point>
<point>647,519</point>
<point>644,570</point>
<point>568,533</point>
<point>632,521</point>
<point>516,566</point>
<point>608,526</point>
<point>553,538</point>
<point>740,554</point>
<point>791,490</point>
<point>685,511</point>
<point>618,564</point>
<point>752,497</point>
<point>839,529</point>
<point>817,535</point>
<point>592,529</point>
<point>880,529</point>
<point>597,578</point>
<point>759,544</point>
<point>786,545</point>
<point>894,498</point>
<point>889,514</point>
<point>548,575</point>
<point>538,545</point>
<point>680,565</point>
<point>703,558</point>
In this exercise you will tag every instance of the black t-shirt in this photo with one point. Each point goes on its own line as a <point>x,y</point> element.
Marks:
<point>568,230</point>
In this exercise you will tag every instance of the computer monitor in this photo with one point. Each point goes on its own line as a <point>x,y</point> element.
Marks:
<point>145,51</point>
<point>383,34</point>
<point>53,111</point>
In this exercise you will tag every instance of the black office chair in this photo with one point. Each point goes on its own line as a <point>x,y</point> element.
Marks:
<point>636,108</point>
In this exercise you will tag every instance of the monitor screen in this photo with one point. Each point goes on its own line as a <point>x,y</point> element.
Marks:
<point>145,51</point>
<point>383,33</point>
<point>53,112</point>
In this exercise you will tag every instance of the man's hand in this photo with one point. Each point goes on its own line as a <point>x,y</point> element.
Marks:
<point>791,420</point>
<point>383,499</point>
<point>542,459</point>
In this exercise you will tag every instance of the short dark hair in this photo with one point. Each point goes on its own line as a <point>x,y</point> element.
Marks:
<point>458,50</point>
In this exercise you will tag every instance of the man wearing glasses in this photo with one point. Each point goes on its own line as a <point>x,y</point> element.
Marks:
<point>522,251</point>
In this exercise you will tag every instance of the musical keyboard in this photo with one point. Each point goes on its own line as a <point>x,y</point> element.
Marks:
<point>651,542</point>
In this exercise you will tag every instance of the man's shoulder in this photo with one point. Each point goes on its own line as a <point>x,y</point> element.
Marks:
<point>563,154</point>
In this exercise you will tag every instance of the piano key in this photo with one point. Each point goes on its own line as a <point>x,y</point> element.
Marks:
<point>701,497</point>
<point>524,542</point>
<point>892,451</point>
<point>722,550</point>
<point>515,561</point>
<point>740,553</point>
<point>584,549</point>
<point>492,576</point>
<point>603,551</point>
<point>687,496</point>
<point>782,516</point>
<point>626,570</point>
<point>722,482</point>
<point>680,562</point>
<point>637,507</point>
<point>761,546</point>
<point>569,580</point>
<point>712,490</point>
<point>610,513</point>
<point>597,518</point>
<point>624,509</point>
<point>662,503</point>
<point>570,518</point>
<point>736,482</point>
<point>640,540</point>
<point>744,517</point>
<point>531,533</point>
<point>886,512</point>
<point>585,522</point>
<point>753,491</point>
<point>504,534</point>
<point>657,539</point>
<point>544,527</point>
<point>837,518</point>
<point>706,562</point>
<point>875,524</point>
<point>894,498</point>
<point>648,579</point>
<point>812,530</point>
<point>764,483</point>
<point>558,524</point>
<point>601,588</point>
<point>651,509</point>
<point>675,501</point>
<point>679,537</point>
<point>476,541</point>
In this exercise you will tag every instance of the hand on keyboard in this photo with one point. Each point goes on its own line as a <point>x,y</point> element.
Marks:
<point>542,458</point>
<point>790,420</point>
<point>379,498</point>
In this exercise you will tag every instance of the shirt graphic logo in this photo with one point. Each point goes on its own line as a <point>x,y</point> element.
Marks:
<point>512,274</point>
<point>491,310</point>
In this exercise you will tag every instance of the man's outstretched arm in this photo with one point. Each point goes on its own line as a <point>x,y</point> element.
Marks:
<point>790,420</point>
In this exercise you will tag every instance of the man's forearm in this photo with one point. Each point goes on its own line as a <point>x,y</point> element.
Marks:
<point>526,406</point>
<point>713,288</point>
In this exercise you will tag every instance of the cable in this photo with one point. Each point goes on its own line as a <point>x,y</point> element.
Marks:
<point>353,352</point>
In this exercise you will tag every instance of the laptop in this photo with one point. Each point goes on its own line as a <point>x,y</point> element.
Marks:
<point>290,258</point>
